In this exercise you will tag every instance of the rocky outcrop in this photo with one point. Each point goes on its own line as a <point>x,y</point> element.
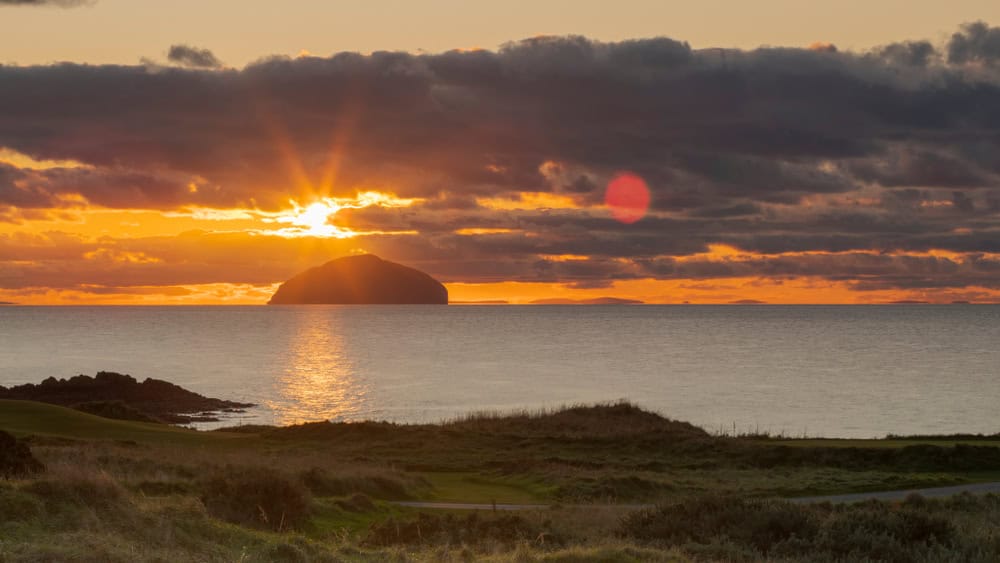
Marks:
<point>361,280</point>
<point>153,397</point>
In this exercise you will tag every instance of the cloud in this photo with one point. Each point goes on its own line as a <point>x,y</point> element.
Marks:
<point>975,43</point>
<point>112,187</point>
<point>59,3</point>
<point>192,57</point>
<point>855,167</point>
<point>908,53</point>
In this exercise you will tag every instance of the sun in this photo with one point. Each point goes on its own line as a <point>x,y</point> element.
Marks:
<point>316,219</point>
<point>313,220</point>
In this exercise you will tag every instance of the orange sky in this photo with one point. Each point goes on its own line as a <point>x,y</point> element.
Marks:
<point>552,167</point>
<point>97,239</point>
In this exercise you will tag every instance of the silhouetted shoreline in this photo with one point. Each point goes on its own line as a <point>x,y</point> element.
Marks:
<point>114,395</point>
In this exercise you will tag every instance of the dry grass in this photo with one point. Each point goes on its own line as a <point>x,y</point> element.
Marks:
<point>172,501</point>
<point>603,420</point>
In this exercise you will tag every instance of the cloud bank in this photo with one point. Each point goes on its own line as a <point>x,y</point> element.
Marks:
<point>192,57</point>
<point>59,3</point>
<point>877,169</point>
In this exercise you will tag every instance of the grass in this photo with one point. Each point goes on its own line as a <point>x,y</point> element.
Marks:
<point>42,419</point>
<point>122,490</point>
<point>476,488</point>
<point>889,443</point>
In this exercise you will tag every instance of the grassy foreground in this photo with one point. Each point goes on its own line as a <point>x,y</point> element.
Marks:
<point>130,491</point>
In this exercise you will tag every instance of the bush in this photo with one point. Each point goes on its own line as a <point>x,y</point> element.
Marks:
<point>94,490</point>
<point>358,502</point>
<point>864,531</point>
<point>631,487</point>
<point>256,497</point>
<point>321,483</point>
<point>18,506</point>
<point>16,459</point>
<point>756,523</point>
<point>450,529</point>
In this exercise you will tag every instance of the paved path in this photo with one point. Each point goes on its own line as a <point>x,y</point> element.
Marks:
<point>935,492</point>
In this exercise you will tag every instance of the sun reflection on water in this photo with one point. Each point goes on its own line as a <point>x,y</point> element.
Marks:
<point>319,380</point>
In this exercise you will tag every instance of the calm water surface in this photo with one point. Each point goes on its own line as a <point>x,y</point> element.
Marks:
<point>817,370</point>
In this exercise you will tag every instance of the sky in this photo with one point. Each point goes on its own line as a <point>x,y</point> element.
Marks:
<point>202,152</point>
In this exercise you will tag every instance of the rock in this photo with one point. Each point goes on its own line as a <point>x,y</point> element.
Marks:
<point>153,397</point>
<point>361,280</point>
<point>114,409</point>
<point>16,459</point>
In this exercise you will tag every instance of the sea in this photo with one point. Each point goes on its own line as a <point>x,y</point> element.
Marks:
<point>830,371</point>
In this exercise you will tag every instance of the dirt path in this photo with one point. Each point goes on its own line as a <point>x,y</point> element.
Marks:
<point>935,492</point>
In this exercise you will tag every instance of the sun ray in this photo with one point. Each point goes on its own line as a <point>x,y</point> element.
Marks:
<point>316,218</point>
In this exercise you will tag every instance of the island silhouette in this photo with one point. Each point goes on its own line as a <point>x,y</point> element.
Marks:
<point>361,280</point>
<point>594,301</point>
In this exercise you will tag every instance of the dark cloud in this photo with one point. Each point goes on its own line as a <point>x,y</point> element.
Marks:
<point>915,167</point>
<point>774,150</point>
<point>192,57</point>
<point>908,53</point>
<point>60,3</point>
<point>112,187</point>
<point>975,43</point>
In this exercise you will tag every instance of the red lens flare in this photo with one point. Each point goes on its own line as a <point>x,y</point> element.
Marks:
<point>627,197</point>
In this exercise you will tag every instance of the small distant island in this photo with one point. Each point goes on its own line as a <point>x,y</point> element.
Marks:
<point>594,301</point>
<point>361,280</point>
<point>7,303</point>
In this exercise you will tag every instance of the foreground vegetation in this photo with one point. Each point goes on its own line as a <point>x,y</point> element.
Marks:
<point>115,490</point>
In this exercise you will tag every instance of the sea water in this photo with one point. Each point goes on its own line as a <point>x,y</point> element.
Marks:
<point>838,371</point>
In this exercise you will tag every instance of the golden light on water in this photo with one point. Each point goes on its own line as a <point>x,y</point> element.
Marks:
<point>318,380</point>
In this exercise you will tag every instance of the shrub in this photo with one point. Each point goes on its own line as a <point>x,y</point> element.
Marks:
<point>256,497</point>
<point>16,459</point>
<point>358,502</point>
<point>161,488</point>
<point>756,523</point>
<point>630,487</point>
<point>94,490</point>
<point>18,506</point>
<point>321,483</point>
<point>864,531</point>
<point>471,530</point>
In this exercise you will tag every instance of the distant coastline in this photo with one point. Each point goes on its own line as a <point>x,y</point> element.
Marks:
<point>498,302</point>
<point>595,301</point>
